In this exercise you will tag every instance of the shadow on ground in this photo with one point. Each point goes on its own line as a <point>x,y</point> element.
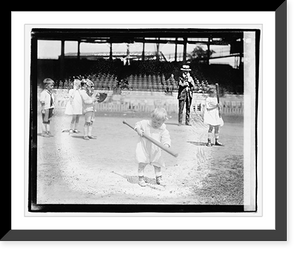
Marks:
<point>197,143</point>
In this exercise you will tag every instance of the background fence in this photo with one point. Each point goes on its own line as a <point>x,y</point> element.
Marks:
<point>145,101</point>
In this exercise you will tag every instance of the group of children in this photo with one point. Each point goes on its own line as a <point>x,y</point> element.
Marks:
<point>81,101</point>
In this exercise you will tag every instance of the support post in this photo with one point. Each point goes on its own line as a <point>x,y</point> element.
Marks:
<point>176,50</point>
<point>143,53</point>
<point>62,61</point>
<point>110,52</point>
<point>184,49</point>
<point>208,50</point>
<point>157,51</point>
<point>78,51</point>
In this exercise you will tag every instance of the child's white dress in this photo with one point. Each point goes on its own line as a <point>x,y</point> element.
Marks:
<point>212,116</point>
<point>146,151</point>
<point>74,105</point>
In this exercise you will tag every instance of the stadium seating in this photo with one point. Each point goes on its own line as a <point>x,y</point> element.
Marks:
<point>155,76</point>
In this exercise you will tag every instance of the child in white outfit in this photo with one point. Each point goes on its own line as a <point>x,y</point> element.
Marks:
<point>88,105</point>
<point>212,116</point>
<point>146,151</point>
<point>74,106</point>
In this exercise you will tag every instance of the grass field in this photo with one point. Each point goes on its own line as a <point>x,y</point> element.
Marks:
<point>71,170</point>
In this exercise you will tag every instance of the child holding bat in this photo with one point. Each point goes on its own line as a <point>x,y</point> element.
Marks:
<point>212,115</point>
<point>146,151</point>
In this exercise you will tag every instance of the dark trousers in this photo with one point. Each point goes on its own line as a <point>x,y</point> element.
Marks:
<point>187,102</point>
<point>46,116</point>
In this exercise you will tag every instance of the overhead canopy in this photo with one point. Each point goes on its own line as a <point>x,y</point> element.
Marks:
<point>149,35</point>
<point>176,36</point>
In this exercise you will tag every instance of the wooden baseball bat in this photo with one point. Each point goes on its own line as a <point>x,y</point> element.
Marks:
<point>166,149</point>
<point>218,99</point>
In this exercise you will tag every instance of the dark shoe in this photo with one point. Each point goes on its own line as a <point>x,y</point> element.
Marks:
<point>50,134</point>
<point>159,180</point>
<point>92,137</point>
<point>142,182</point>
<point>208,143</point>
<point>217,143</point>
<point>45,135</point>
<point>188,124</point>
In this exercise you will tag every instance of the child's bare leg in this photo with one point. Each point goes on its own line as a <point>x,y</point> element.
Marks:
<point>217,143</point>
<point>44,126</point>
<point>209,136</point>
<point>48,130</point>
<point>72,123</point>
<point>86,125</point>
<point>141,167</point>
<point>76,122</point>
<point>90,128</point>
<point>85,130</point>
<point>44,129</point>
<point>158,174</point>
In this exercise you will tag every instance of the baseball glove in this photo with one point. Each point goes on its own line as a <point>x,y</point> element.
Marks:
<point>101,97</point>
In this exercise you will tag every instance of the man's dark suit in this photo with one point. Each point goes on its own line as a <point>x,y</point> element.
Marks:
<point>185,96</point>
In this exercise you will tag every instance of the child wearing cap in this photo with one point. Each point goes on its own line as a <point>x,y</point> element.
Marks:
<point>146,151</point>
<point>74,106</point>
<point>88,105</point>
<point>212,116</point>
<point>47,106</point>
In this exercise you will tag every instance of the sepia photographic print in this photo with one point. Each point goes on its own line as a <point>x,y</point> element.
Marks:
<point>143,119</point>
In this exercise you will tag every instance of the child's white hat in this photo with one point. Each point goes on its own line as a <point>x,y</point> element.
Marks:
<point>185,67</point>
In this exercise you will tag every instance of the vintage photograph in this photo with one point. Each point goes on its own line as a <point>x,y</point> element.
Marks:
<point>143,119</point>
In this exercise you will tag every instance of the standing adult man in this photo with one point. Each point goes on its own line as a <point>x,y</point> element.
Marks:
<point>186,86</point>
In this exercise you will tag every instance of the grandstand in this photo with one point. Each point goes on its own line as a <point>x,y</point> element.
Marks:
<point>153,76</point>
<point>145,71</point>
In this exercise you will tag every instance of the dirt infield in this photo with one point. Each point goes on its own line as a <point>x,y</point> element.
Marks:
<point>71,170</point>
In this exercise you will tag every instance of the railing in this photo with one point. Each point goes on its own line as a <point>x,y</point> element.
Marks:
<point>139,101</point>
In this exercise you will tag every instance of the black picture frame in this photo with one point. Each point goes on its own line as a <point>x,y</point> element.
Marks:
<point>278,234</point>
